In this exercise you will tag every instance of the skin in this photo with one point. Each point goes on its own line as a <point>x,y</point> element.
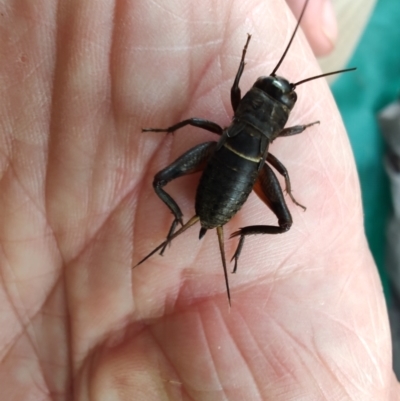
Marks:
<point>319,24</point>
<point>77,210</point>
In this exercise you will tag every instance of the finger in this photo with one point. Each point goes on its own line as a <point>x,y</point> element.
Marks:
<point>319,24</point>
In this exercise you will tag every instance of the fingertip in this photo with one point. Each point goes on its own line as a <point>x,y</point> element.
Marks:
<point>329,29</point>
<point>319,24</point>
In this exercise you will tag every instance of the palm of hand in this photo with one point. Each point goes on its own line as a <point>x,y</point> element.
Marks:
<point>78,211</point>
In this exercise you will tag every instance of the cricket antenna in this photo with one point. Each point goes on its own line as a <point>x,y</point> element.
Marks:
<point>322,75</point>
<point>290,41</point>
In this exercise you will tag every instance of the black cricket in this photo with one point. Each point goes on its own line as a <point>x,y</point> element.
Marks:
<point>239,162</point>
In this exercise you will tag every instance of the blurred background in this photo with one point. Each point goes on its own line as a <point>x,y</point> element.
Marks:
<point>368,99</point>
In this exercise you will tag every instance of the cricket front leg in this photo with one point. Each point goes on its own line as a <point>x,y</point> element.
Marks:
<point>296,129</point>
<point>235,90</point>
<point>194,121</point>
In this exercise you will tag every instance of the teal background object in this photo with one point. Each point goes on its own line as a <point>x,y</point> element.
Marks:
<point>360,97</point>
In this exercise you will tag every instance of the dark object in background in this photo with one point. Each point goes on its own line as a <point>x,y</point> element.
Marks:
<point>389,121</point>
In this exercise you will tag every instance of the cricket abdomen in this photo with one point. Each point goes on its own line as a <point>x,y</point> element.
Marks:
<point>226,183</point>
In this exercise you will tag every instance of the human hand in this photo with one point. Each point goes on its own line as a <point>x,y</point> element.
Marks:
<point>79,81</point>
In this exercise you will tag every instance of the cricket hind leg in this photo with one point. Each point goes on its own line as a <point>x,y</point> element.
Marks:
<point>190,162</point>
<point>270,192</point>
